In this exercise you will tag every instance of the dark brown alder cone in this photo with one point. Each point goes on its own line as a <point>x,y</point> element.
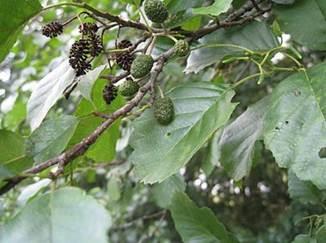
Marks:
<point>78,57</point>
<point>52,29</point>
<point>95,45</point>
<point>124,59</point>
<point>88,29</point>
<point>110,92</point>
<point>82,50</point>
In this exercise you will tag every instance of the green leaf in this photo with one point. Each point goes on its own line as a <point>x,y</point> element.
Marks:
<point>51,138</point>
<point>14,15</point>
<point>304,191</point>
<point>12,157</point>
<point>298,110</point>
<point>64,216</point>
<point>197,224</point>
<point>13,118</point>
<point>48,90</point>
<point>163,192</point>
<point>254,36</point>
<point>304,239</point>
<point>175,6</point>
<point>86,82</point>
<point>292,123</point>
<point>321,234</point>
<point>215,9</point>
<point>192,24</point>
<point>310,28</point>
<point>114,188</point>
<point>181,13</point>
<point>237,142</point>
<point>286,2</point>
<point>31,190</point>
<point>212,158</point>
<point>104,148</point>
<point>318,237</point>
<point>160,151</point>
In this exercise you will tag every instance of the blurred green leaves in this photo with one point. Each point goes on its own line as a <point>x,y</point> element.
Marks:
<point>12,157</point>
<point>292,123</point>
<point>310,28</point>
<point>14,15</point>
<point>197,224</point>
<point>63,216</point>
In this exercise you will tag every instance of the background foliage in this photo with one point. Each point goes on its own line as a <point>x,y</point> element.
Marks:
<point>243,160</point>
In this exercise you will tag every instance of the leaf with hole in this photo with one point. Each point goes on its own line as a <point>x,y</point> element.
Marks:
<point>291,121</point>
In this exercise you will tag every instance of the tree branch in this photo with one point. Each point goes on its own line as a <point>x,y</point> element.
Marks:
<point>232,20</point>
<point>108,16</point>
<point>79,149</point>
<point>255,4</point>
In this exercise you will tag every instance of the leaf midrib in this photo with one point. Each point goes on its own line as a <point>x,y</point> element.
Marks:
<point>54,141</point>
<point>147,178</point>
<point>320,9</point>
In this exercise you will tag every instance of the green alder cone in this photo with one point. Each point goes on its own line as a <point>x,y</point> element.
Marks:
<point>141,66</point>
<point>181,48</point>
<point>164,110</point>
<point>156,11</point>
<point>128,88</point>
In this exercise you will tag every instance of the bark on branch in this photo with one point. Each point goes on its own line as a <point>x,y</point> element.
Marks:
<point>235,18</point>
<point>79,149</point>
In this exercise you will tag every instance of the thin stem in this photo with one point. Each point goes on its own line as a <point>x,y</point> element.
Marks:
<point>284,69</point>
<point>293,59</point>
<point>70,20</point>
<point>151,46</point>
<point>172,38</point>
<point>245,79</point>
<point>261,70</point>
<point>95,18</point>
<point>161,92</point>
<point>145,19</point>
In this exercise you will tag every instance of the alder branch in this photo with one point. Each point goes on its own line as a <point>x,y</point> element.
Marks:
<point>244,9</point>
<point>104,15</point>
<point>255,4</point>
<point>232,20</point>
<point>79,149</point>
